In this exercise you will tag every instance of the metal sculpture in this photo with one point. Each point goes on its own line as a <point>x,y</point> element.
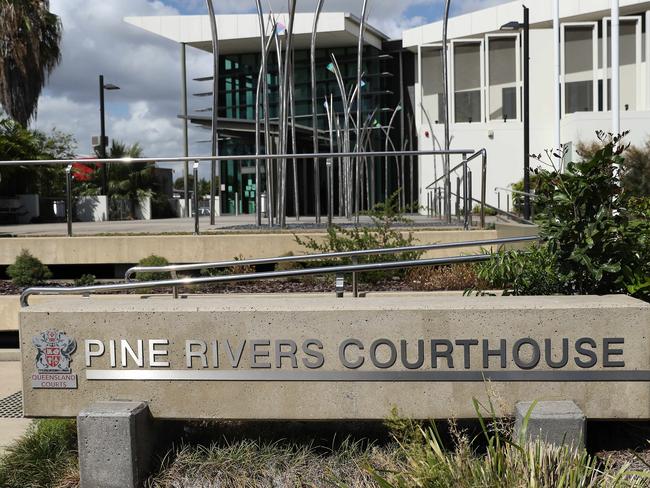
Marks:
<point>445,76</point>
<point>215,109</point>
<point>362,25</point>
<point>314,121</point>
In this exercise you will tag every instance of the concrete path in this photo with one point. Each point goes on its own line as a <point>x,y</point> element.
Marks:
<point>160,226</point>
<point>10,383</point>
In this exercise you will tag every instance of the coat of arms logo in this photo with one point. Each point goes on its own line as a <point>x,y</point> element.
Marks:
<point>54,350</point>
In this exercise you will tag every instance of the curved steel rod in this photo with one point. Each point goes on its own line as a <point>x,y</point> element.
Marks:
<point>314,120</point>
<point>362,26</point>
<point>349,268</point>
<point>215,109</point>
<point>331,255</point>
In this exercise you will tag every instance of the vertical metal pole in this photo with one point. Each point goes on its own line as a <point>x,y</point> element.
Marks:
<point>215,111</point>
<point>237,203</point>
<point>483,186</point>
<point>314,119</point>
<point>195,197</point>
<point>267,131</point>
<point>508,202</point>
<point>357,182</point>
<point>469,196</point>
<point>330,190</point>
<point>445,83</point>
<point>458,198</point>
<point>102,135</point>
<point>355,283</point>
<point>556,73</point>
<point>499,200</point>
<point>68,198</point>
<point>616,73</point>
<point>465,203</point>
<point>401,127</point>
<point>186,147</point>
<point>526,115</point>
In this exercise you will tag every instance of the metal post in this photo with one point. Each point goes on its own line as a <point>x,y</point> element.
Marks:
<point>314,120</point>
<point>508,202</point>
<point>445,83</point>
<point>470,200</point>
<point>186,148</point>
<point>458,198</point>
<point>215,110</point>
<point>355,283</point>
<point>174,275</point>
<point>68,197</point>
<point>499,200</point>
<point>556,73</point>
<point>330,190</point>
<point>102,135</point>
<point>616,73</point>
<point>357,165</point>
<point>483,186</point>
<point>236,203</point>
<point>526,114</point>
<point>195,170</point>
<point>465,203</point>
<point>339,286</point>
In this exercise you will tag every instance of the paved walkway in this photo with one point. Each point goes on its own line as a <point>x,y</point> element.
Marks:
<point>10,383</point>
<point>161,226</point>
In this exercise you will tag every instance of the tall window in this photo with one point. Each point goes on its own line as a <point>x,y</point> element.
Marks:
<point>502,78</point>
<point>432,85</point>
<point>629,56</point>
<point>467,81</point>
<point>579,68</point>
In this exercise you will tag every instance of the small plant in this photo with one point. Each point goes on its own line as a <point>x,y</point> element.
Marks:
<point>152,260</point>
<point>85,280</point>
<point>28,270</point>
<point>45,456</point>
<point>236,269</point>
<point>382,234</point>
<point>432,278</point>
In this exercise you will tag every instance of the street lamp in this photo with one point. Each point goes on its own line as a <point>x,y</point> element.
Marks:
<point>102,135</point>
<point>525,26</point>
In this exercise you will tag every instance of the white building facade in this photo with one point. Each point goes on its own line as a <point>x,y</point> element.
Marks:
<point>485,83</point>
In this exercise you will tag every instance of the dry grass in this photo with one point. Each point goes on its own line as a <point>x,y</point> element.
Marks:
<point>438,278</point>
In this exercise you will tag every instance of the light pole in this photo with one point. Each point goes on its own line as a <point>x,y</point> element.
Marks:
<point>102,125</point>
<point>525,26</point>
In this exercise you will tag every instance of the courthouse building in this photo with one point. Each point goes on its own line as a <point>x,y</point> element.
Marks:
<point>404,86</point>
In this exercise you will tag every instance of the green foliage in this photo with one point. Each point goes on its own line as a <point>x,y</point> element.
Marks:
<point>476,210</point>
<point>600,243</point>
<point>381,234</point>
<point>517,272</point>
<point>204,185</point>
<point>518,199</point>
<point>85,280</point>
<point>28,270</point>
<point>596,234</point>
<point>43,457</point>
<point>18,143</point>
<point>428,462</point>
<point>152,260</point>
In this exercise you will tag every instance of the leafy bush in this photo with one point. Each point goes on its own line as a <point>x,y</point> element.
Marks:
<point>152,260</point>
<point>45,456</point>
<point>517,272</point>
<point>85,280</point>
<point>381,234</point>
<point>596,234</point>
<point>28,270</point>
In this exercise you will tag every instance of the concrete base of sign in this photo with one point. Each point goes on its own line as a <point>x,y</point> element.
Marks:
<point>115,444</point>
<point>559,422</point>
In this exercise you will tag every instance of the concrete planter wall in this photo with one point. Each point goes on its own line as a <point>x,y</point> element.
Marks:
<point>91,208</point>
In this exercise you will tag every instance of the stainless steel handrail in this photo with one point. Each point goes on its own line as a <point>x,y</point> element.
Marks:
<point>516,192</point>
<point>236,157</point>
<point>173,268</point>
<point>350,268</point>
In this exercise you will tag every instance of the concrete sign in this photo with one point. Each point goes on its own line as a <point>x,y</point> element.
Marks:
<point>301,357</point>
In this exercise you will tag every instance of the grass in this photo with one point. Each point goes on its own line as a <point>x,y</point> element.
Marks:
<point>45,457</point>
<point>417,455</point>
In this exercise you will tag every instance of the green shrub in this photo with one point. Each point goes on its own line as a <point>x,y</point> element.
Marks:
<point>85,280</point>
<point>44,457</point>
<point>152,260</point>
<point>518,272</point>
<point>28,270</point>
<point>381,234</point>
<point>476,210</point>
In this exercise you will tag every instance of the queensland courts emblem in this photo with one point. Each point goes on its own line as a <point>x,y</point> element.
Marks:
<point>53,357</point>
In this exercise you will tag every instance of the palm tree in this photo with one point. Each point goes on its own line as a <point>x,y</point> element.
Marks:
<point>30,38</point>
<point>129,181</point>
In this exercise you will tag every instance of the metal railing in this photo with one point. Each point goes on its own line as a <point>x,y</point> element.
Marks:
<point>338,270</point>
<point>236,157</point>
<point>467,186</point>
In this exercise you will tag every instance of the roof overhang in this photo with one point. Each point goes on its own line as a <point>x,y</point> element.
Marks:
<point>491,19</point>
<point>241,33</point>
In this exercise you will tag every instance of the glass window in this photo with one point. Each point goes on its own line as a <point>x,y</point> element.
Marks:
<point>467,82</point>
<point>432,85</point>
<point>502,79</point>
<point>578,69</point>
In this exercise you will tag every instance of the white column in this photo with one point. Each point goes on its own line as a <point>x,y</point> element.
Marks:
<point>616,95</point>
<point>556,65</point>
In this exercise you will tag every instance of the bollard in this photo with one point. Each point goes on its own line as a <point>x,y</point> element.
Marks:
<point>195,199</point>
<point>355,285</point>
<point>68,196</point>
<point>330,190</point>
<point>339,286</point>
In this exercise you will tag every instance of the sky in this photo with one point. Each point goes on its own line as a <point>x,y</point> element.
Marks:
<point>96,41</point>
